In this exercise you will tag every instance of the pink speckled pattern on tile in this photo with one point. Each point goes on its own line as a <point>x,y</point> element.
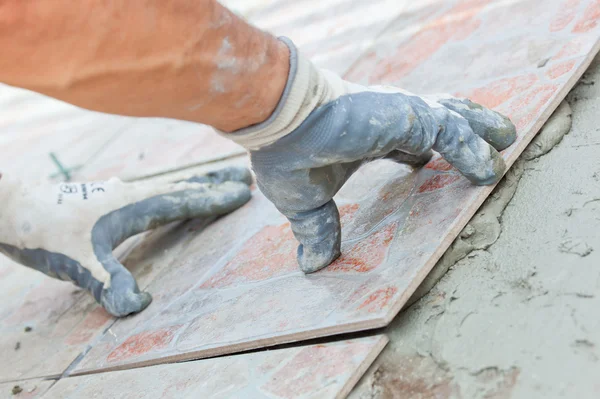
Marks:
<point>234,285</point>
<point>306,372</point>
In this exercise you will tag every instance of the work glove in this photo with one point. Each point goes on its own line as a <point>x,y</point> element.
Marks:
<point>325,128</point>
<point>68,230</point>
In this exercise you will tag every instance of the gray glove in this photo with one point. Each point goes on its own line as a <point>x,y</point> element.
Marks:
<point>325,128</point>
<point>68,231</point>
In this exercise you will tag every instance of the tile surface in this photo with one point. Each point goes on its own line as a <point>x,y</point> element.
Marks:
<point>316,371</point>
<point>152,146</point>
<point>235,285</point>
<point>44,323</point>
<point>103,146</point>
<point>28,389</point>
<point>332,33</point>
<point>32,126</point>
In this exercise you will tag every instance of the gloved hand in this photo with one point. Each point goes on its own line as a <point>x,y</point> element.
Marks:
<point>68,231</point>
<point>325,128</point>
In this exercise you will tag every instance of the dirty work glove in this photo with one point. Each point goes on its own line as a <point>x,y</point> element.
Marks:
<point>324,128</point>
<point>68,231</point>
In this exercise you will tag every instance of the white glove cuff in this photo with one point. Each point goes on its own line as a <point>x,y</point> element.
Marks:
<point>305,90</point>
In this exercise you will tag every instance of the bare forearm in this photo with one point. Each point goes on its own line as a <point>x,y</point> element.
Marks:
<point>185,59</point>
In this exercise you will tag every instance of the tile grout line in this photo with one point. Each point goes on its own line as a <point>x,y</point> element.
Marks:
<point>336,337</point>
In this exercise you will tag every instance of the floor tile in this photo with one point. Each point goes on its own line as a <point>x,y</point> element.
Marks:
<point>44,323</point>
<point>27,389</point>
<point>103,146</point>
<point>152,146</point>
<point>32,126</point>
<point>235,284</point>
<point>317,371</point>
<point>332,33</point>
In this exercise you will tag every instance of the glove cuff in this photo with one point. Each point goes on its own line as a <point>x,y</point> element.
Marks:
<point>306,89</point>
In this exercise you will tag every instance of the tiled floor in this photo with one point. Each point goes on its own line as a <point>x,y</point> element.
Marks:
<point>102,146</point>
<point>29,389</point>
<point>44,323</point>
<point>152,146</point>
<point>316,371</point>
<point>333,33</point>
<point>32,126</point>
<point>236,285</point>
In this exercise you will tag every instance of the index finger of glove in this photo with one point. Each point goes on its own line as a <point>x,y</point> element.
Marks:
<point>495,128</point>
<point>467,152</point>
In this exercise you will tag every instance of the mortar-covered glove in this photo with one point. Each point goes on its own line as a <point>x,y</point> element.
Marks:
<point>324,128</point>
<point>68,230</point>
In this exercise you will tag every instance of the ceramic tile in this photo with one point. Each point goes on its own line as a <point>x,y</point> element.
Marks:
<point>332,33</point>
<point>235,285</point>
<point>317,371</point>
<point>44,323</point>
<point>154,146</point>
<point>32,126</point>
<point>27,389</point>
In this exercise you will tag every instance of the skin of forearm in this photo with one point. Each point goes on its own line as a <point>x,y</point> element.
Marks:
<point>184,59</point>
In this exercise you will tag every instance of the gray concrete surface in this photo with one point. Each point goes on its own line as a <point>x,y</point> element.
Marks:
<point>518,315</point>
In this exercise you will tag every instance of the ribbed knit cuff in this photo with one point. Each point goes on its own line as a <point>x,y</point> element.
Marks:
<point>302,94</point>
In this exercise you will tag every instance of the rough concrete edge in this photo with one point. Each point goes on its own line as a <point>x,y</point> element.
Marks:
<point>485,227</point>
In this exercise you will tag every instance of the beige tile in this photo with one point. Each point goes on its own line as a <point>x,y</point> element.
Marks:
<point>27,389</point>
<point>32,126</point>
<point>332,33</point>
<point>317,371</point>
<point>153,146</point>
<point>44,323</point>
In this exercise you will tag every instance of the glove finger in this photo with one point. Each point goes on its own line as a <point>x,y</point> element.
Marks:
<point>319,234</point>
<point>495,128</point>
<point>56,265</point>
<point>231,173</point>
<point>202,201</point>
<point>121,296</point>
<point>468,152</point>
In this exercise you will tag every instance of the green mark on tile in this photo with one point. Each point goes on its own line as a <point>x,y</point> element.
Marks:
<point>63,171</point>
